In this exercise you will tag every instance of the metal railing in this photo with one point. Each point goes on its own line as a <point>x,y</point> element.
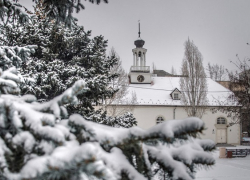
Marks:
<point>140,69</point>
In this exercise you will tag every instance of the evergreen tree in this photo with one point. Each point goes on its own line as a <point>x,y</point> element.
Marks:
<point>58,10</point>
<point>62,56</point>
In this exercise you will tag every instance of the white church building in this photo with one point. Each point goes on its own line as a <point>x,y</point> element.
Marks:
<point>158,99</point>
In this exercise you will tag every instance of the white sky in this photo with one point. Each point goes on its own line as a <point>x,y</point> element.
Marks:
<point>219,28</point>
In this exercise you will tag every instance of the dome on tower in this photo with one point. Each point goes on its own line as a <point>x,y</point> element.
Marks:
<point>139,43</point>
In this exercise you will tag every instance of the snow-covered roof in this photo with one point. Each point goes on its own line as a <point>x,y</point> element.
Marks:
<point>158,92</point>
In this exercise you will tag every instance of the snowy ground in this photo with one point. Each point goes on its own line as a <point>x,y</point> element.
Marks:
<point>227,169</point>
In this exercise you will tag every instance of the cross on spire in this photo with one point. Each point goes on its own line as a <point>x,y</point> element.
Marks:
<point>139,29</point>
<point>139,42</point>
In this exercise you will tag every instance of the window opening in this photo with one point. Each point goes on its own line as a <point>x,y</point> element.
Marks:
<point>221,120</point>
<point>176,96</point>
<point>159,120</point>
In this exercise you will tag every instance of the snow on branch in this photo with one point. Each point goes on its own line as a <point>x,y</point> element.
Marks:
<point>10,74</point>
<point>86,157</point>
<point>11,11</point>
<point>14,55</point>
<point>168,130</point>
<point>68,97</point>
<point>177,160</point>
<point>206,144</point>
<point>62,11</point>
<point>8,81</point>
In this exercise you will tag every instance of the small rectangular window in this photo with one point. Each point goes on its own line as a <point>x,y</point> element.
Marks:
<point>176,96</point>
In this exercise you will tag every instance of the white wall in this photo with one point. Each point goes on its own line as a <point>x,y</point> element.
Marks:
<point>147,115</point>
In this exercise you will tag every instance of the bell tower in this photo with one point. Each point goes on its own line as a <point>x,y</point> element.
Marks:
<point>139,72</point>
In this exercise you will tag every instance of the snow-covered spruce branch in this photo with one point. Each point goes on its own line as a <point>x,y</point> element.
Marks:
<point>11,11</point>
<point>178,161</point>
<point>14,55</point>
<point>168,131</point>
<point>8,81</point>
<point>54,106</point>
<point>68,97</point>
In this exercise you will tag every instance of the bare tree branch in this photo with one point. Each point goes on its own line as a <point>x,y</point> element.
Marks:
<point>193,84</point>
<point>173,71</point>
<point>121,84</point>
<point>240,86</point>
<point>216,72</point>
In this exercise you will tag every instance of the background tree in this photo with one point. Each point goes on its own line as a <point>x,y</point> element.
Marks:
<point>193,85</point>
<point>173,71</point>
<point>61,56</point>
<point>238,105</point>
<point>153,67</point>
<point>58,10</point>
<point>216,72</point>
<point>120,84</point>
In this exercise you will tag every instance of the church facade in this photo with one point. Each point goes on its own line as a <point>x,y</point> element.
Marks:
<point>158,100</point>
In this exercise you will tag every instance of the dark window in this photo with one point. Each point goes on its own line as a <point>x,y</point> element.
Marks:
<point>159,120</point>
<point>176,96</point>
<point>140,54</point>
<point>221,120</point>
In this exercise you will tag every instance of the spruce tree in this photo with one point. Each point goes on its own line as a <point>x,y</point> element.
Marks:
<point>62,56</point>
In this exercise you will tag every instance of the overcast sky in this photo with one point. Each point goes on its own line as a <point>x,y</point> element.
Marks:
<point>219,28</point>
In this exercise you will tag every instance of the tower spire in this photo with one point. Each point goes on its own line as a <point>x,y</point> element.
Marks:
<point>139,42</point>
<point>139,29</point>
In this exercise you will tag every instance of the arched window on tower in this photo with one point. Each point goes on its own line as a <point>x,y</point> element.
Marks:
<point>139,54</point>
<point>221,120</point>
<point>159,119</point>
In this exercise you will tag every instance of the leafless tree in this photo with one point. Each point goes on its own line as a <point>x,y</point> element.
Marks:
<point>121,84</point>
<point>153,67</point>
<point>238,105</point>
<point>216,72</point>
<point>193,85</point>
<point>173,71</point>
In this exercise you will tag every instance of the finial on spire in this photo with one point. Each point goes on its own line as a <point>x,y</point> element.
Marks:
<point>139,42</point>
<point>139,29</point>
